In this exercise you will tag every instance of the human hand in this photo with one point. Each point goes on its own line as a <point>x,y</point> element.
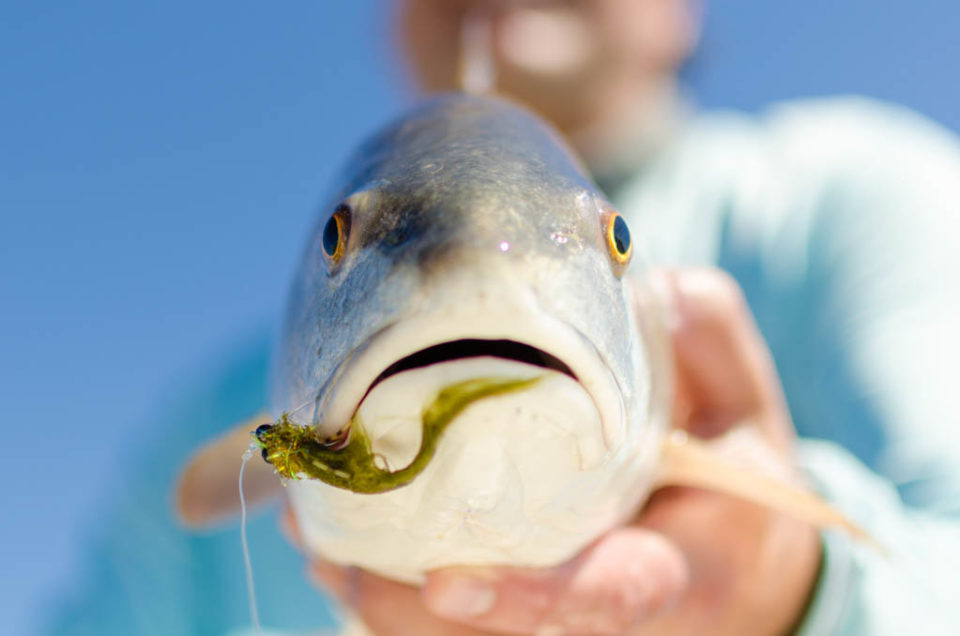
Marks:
<point>692,562</point>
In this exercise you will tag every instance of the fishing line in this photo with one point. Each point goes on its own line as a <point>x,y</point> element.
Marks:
<point>245,544</point>
<point>301,407</point>
<point>248,566</point>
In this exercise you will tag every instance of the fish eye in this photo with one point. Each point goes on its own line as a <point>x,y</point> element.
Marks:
<point>619,243</point>
<point>333,242</point>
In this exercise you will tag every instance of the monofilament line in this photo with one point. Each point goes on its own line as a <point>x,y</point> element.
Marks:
<point>251,592</point>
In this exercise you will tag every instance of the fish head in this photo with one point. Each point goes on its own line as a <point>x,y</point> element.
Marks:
<point>466,241</point>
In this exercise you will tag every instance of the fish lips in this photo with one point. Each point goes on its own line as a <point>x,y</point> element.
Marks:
<point>528,336</point>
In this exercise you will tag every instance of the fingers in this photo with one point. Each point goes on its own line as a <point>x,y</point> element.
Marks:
<point>207,491</point>
<point>624,578</point>
<point>724,371</point>
<point>387,608</point>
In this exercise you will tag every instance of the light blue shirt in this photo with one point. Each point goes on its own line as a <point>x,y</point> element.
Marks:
<point>841,221</point>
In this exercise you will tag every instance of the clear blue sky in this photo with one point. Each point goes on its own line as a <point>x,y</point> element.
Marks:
<point>160,162</point>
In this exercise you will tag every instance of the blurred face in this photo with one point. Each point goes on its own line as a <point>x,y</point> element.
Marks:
<point>566,59</point>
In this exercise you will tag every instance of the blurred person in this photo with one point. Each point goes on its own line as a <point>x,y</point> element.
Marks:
<point>838,220</point>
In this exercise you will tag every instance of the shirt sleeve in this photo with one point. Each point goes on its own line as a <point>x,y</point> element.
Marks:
<point>907,584</point>
<point>840,219</point>
<point>882,291</point>
<point>882,253</point>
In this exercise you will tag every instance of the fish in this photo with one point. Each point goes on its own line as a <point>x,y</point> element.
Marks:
<point>463,374</point>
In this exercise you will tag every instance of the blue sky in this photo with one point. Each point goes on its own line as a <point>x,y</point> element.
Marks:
<point>160,163</point>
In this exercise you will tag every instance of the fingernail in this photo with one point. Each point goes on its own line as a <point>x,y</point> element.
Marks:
<point>462,597</point>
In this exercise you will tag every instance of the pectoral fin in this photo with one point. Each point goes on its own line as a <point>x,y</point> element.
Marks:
<point>739,464</point>
<point>207,490</point>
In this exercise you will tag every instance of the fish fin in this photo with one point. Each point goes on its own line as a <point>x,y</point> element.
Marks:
<point>353,626</point>
<point>722,466</point>
<point>206,492</point>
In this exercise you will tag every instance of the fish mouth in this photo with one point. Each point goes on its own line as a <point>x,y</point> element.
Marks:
<point>425,340</point>
<point>466,348</point>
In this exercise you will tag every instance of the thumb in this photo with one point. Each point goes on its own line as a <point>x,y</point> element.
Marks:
<point>724,372</point>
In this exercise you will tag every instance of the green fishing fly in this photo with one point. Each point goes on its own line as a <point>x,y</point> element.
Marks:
<point>296,452</point>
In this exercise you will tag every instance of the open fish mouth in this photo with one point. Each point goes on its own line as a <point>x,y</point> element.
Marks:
<point>466,348</point>
<point>425,341</point>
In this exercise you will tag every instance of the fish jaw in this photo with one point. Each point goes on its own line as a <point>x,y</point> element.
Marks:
<point>521,478</point>
<point>470,220</point>
<point>526,479</point>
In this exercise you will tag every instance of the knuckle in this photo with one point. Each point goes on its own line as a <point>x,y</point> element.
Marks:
<point>711,296</point>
